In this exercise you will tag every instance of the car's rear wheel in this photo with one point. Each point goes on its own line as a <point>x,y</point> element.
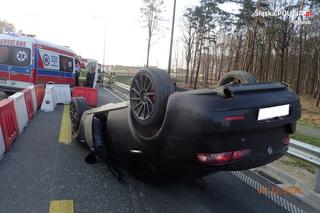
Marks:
<point>237,77</point>
<point>150,89</point>
<point>78,106</point>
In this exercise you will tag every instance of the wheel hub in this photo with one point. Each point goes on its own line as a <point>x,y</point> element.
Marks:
<point>143,96</point>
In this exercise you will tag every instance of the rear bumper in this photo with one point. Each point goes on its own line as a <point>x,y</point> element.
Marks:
<point>255,160</point>
<point>193,169</point>
<point>182,152</point>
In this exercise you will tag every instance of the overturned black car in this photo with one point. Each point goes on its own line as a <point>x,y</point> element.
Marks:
<point>162,133</point>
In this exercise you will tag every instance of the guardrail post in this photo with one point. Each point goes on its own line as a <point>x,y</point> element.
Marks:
<point>317,185</point>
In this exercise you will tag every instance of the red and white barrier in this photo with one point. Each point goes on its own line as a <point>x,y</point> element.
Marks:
<point>34,98</point>
<point>20,110</point>
<point>2,147</point>
<point>29,103</point>
<point>90,94</point>
<point>8,122</point>
<point>15,112</point>
<point>39,94</point>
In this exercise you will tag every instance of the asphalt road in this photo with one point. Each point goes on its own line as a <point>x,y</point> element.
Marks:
<point>38,170</point>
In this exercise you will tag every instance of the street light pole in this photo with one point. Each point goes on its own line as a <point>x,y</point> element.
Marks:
<point>104,42</point>
<point>172,32</point>
<point>104,47</point>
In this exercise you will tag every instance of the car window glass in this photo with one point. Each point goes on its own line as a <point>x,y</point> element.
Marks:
<point>66,63</point>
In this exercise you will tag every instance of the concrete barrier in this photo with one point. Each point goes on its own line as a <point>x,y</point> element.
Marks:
<point>34,98</point>
<point>8,122</point>
<point>20,110</point>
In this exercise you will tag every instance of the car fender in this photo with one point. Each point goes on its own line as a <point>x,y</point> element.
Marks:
<point>87,123</point>
<point>88,115</point>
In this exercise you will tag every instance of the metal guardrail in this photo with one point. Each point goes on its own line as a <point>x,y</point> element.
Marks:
<point>298,149</point>
<point>124,86</point>
<point>305,151</point>
<point>308,153</point>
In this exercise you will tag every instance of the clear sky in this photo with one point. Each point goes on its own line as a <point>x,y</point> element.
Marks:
<point>71,23</point>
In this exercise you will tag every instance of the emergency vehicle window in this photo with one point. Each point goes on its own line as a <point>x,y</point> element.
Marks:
<point>15,56</point>
<point>91,67</point>
<point>4,54</point>
<point>66,63</point>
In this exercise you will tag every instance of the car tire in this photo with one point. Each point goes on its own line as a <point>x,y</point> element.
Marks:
<point>149,93</point>
<point>78,106</point>
<point>237,77</point>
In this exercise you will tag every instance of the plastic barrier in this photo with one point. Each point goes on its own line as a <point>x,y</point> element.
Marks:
<point>34,98</point>
<point>8,122</point>
<point>48,103</point>
<point>62,94</point>
<point>20,110</point>
<point>28,102</point>
<point>39,94</point>
<point>55,94</point>
<point>2,147</point>
<point>91,94</point>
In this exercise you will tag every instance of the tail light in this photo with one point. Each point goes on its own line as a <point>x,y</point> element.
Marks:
<point>240,154</point>
<point>286,140</point>
<point>223,157</point>
<point>216,158</point>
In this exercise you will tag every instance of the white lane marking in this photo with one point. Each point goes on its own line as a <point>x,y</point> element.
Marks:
<point>284,203</point>
<point>114,94</point>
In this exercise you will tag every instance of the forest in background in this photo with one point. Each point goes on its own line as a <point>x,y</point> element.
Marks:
<point>272,48</point>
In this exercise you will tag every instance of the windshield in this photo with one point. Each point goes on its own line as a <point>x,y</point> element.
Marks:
<point>15,56</point>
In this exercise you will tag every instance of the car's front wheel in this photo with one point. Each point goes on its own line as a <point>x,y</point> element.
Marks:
<point>78,106</point>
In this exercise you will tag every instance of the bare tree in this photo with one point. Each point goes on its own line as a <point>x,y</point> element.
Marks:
<point>152,17</point>
<point>6,26</point>
<point>273,48</point>
<point>188,38</point>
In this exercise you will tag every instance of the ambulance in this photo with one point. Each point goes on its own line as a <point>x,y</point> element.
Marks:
<point>25,60</point>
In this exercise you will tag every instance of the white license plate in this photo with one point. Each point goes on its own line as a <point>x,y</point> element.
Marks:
<point>273,112</point>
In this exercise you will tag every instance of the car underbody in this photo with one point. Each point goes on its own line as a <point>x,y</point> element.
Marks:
<point>198,132</point>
